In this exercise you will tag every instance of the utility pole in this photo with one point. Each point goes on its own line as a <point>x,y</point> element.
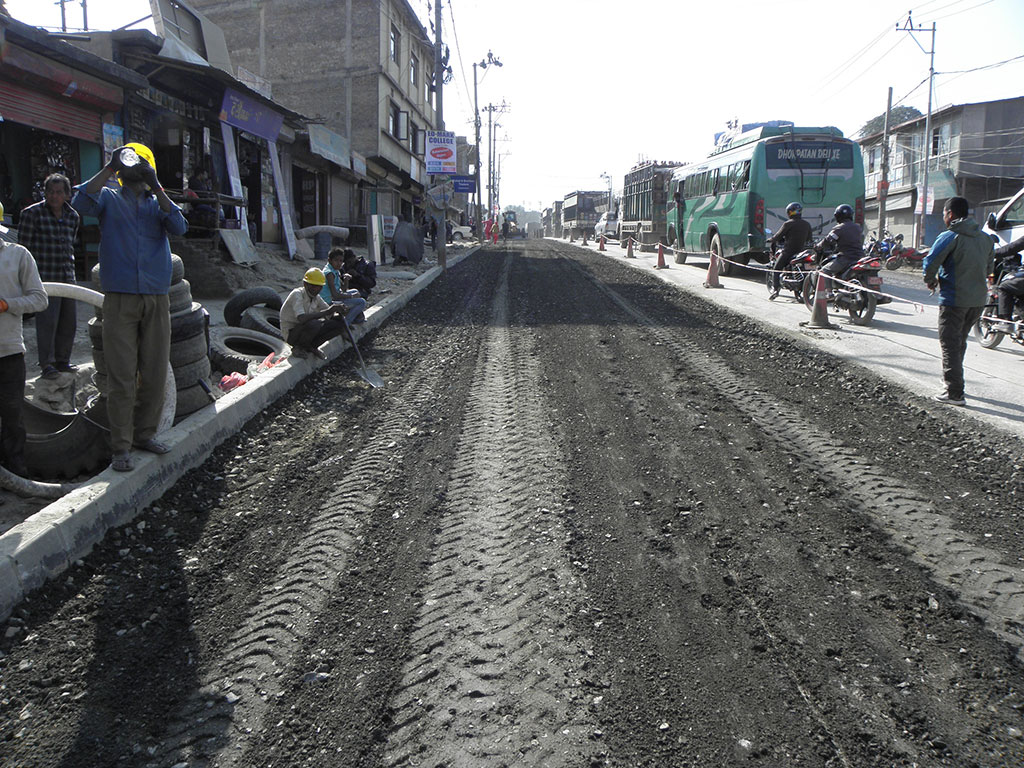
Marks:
<point>491,60</point>
<point>883,187</point>
<point>63,16</point>
<point>440,217</point>
<point>85,16</point>
<point>909,27</point>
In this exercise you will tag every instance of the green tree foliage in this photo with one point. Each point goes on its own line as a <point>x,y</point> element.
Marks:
<point>896,117</point>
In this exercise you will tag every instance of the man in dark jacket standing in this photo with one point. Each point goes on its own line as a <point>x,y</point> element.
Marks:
<point>958,264</point>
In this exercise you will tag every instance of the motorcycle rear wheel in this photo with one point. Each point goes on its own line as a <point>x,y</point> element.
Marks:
<point>864,311</point>
<point>807,293</point>
<point>984,331</point>
<point>894,262</point>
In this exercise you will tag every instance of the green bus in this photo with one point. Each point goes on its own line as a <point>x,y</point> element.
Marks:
<point>730,203</point>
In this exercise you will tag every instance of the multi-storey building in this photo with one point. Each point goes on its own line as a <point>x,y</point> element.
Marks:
<point>371,81</point>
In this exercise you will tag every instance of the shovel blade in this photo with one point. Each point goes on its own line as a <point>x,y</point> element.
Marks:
<point>371,377</point>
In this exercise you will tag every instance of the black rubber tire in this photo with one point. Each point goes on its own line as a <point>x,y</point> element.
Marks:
<point>185,325</point>
<point>864,314</point>
<point>177,269</point>
<point>71,445</point>
<point>179,297</point>
<point>263,319</point>
<point>188,350</point>
<point>984,333</point>
<point>724,267</point>
<point>190,400</point>
<point>99,380</point>
<point>807,294</point>
<point>232,349</point>
<point>456,236</point>
<point>250,297</point>
<point>188,375</point>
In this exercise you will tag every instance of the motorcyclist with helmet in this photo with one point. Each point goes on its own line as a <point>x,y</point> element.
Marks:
<point>846,239</point>
<point>794,234</point>
<point>1011,286</point>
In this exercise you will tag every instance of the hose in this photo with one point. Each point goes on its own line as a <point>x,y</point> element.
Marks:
<point>29,488</point>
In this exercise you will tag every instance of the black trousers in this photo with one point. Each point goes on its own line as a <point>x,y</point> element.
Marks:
<point>312,333</point>
<point>955,324</point>
<point>12,394</point>
<point>1009,291</point>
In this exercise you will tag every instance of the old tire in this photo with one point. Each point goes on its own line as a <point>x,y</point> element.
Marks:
<point>96,332</point>
<point>233,349</point>
<point>185,325</point>
<point>188,375</point>
<point>865,311</point>
<point>188,350</point>
<point>64,445</point>
<point>250,297</point>
<point>190,400</point>
<point>177,269</point>
<point>263,319</point>
<point>179,297</point>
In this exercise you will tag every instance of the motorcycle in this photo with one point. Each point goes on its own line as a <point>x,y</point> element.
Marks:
<point>990,329</point>
<point>795,273</point>
<point>860,300</point>
<point>900,254</point>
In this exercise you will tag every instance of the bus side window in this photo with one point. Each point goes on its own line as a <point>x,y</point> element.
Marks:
<point>744,180</point>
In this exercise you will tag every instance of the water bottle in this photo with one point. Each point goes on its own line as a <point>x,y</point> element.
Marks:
<point>129,157</point>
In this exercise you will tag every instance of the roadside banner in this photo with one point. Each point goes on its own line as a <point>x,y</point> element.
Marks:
<point>464,185</point>
<point>440,156</point>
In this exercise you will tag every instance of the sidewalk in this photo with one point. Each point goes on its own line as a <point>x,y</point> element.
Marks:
<point>56,535</point>
<point>901,344</point>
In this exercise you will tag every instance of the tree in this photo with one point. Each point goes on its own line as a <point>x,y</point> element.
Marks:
<point>897,116</point>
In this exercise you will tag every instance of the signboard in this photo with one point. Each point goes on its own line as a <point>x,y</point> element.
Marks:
<point>329,145</point>
<point>376,237</point>
<point>438,197</point>
<point>440,155</point>
<point>249,115</point>
<point>782,155</point>
<point>921,203</point>
<point>390,222</point>
<point>464,185</point>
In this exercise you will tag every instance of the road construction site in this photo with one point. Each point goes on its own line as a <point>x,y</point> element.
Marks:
<point>593,518</point>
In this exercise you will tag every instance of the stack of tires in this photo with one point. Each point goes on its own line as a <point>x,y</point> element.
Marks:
<point>189,343</point>
<point>252,333</point>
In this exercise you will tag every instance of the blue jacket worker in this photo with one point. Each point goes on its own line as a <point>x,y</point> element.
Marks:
<point>135,274</point>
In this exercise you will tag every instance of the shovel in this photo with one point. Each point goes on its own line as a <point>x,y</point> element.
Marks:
<point>368,375</point>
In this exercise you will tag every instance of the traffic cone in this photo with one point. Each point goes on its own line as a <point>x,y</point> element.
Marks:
<point>661,258</point>
<point>600,245</point>
<point>819,315</point>
<point>623,241</point>
<point>711,281</point>
<point>629,249</point>
<point>584,238</point>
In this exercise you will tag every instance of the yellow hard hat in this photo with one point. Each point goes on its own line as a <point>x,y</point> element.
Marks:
<point>315,276</point>
<point>144,152</point>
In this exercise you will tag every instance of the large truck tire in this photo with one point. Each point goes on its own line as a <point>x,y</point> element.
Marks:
<point>263,319</point>
<point>233,349</point>
<point>250,297</point>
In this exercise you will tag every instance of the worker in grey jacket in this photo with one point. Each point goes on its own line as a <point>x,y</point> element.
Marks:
<point>21,293</point>
<point>958,264</point>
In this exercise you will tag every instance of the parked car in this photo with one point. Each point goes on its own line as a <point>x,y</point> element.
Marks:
<point>607,225</point>
<point>461,233</point>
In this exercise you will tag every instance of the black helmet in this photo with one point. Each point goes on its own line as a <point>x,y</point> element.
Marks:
<point>843,213</point>
<point>793,210</point>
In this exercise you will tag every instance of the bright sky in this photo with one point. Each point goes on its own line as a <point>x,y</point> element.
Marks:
<point>594,85</point>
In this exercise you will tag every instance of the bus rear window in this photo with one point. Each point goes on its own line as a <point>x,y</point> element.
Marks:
<point>808,155</point>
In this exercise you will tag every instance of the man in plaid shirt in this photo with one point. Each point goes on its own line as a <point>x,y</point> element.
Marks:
<point>48,229</point>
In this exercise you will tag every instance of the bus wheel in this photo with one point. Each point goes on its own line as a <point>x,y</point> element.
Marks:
<point>724,267</point>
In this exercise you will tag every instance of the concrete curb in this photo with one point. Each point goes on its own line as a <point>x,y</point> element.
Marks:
<point>48,542</point>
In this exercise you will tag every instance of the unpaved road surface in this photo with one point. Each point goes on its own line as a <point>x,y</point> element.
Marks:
<point>589,521</point>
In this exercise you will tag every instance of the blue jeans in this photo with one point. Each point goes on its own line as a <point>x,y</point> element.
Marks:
<point>355,305</point>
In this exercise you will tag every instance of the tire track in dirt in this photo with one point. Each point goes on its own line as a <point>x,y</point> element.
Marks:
<point>986,586</point>
<point>494,680</point>
<point>238,691</point>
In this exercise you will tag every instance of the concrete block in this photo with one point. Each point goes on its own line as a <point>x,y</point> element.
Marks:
<point>37,549</point>
<point>11,592</point>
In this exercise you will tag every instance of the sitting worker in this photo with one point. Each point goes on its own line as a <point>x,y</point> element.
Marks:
<point>307,321</point>
<point>362,274</point>
<point>339,288</point>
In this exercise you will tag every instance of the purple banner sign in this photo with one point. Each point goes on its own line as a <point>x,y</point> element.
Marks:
<point>249,115</point>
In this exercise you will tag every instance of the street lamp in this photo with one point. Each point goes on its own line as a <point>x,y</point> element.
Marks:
<point>490,61</point>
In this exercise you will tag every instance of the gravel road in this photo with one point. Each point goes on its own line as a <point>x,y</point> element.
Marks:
<point>590,520</point>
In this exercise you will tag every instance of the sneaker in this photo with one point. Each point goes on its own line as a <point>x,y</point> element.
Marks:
<point>66,367</point>
<point>49,372</point>
<point>943,397</point>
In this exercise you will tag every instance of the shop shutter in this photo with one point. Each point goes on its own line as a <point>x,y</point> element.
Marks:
<point>21,105</point>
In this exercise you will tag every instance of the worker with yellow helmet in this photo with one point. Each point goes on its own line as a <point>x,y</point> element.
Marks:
<point>136,219</point>
<point>307,321</point>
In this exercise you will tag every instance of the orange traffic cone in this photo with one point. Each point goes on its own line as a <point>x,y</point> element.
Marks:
<point>600,245</point>
<point>819,315</point>
<point>623,241</point>
<point>711,281</point>
<point>629,249</point>
<point>661,258</point>
<point>584,239</point>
